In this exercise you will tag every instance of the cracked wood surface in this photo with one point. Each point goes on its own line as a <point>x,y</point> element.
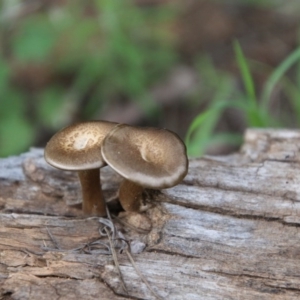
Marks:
<point>230,230</point>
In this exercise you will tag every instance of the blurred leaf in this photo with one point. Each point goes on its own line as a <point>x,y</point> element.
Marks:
<point>4,76</point>
<point>50,107</point>
<point>12,102</point>
<point>16,135</point>
<point>34,39</point>
<point>79,41</point>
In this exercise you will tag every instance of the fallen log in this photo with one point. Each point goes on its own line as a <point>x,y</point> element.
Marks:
<point>230,230</point>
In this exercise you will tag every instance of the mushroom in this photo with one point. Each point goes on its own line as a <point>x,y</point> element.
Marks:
<point>147,158</point>
<point>77,148</point>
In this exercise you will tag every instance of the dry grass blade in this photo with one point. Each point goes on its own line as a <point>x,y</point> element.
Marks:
<point>142,276</point>
<point>125,244</point>
<point>113,235</point>
<point>54,241</point>
<point>115,258</point>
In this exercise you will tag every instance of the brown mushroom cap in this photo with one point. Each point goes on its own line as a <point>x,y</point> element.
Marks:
<point>77,147</point>
<point>151,157</point>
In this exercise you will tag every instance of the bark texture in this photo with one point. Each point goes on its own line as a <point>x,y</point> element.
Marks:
<point>230,230</point>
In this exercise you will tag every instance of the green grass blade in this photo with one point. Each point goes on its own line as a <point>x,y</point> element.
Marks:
<point>293,94</point>
<point>246,75</point>
<point>277,75</point>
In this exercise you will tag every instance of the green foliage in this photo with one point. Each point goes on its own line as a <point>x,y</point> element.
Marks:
<point>93,51</point>
<point>50,109</point>
<point>130,54</point>
<point>101,50</point>
<point>34,41</point>
<point>253,112</point>
<point>200,134</point>
<point>256,109</point>
<point>278,73</point>
<point>255,3</point>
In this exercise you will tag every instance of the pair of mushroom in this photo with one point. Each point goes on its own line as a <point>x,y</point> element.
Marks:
<point>145,157</point>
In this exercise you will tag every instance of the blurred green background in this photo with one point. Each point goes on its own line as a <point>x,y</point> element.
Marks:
<point>204,69</point>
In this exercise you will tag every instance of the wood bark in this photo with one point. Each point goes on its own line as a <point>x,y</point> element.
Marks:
<point>230,230</point>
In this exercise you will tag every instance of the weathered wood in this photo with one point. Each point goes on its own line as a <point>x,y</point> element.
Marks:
<point>229,231</point>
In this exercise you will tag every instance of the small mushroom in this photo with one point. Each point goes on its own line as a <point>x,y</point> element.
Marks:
<point>147,158</point>
<point>77,148</point>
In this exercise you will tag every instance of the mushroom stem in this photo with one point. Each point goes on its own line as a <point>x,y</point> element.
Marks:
<point>130,195</point>
<point>93,202</point>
